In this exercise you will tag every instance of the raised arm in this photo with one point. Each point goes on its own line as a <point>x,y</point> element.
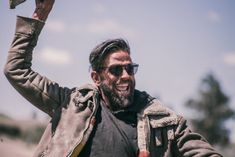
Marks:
<point>39,90</point>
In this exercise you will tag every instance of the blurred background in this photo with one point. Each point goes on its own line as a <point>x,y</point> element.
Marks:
<point>186,52</point>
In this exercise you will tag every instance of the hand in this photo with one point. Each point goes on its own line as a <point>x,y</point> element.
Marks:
<point>43,8</point>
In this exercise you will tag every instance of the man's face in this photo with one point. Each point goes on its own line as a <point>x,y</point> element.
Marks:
<point>118,89</point>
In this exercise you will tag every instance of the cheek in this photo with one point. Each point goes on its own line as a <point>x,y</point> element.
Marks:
<point>108,79</point>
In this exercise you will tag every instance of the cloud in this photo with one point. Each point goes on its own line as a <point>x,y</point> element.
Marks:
<point>54,56</point>
<point>229,58</point>
<point>101,27</point>
<point>109,26</point>
<point>214,16</point>
<point>56,26</point>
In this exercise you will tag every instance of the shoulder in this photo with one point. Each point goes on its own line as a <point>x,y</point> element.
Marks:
<point>159,115</point>
<point>84,93</point>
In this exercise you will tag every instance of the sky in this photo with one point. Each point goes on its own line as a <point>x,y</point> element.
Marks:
<point>176,43</point>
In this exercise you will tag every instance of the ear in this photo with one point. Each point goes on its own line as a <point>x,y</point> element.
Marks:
<point>96,78</point>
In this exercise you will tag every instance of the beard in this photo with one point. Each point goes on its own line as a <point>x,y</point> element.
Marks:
<point>117,101</point>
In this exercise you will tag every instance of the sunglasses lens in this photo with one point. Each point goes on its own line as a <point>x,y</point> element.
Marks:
<point>130,69</point>
<point>116,70</point>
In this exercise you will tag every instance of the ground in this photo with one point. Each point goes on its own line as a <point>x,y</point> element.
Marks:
<point>10,147</point>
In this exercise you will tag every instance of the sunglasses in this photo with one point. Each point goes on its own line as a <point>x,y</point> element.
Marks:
<point>117,69</point>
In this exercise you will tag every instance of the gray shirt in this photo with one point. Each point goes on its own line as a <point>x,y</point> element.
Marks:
<point>114,135</point>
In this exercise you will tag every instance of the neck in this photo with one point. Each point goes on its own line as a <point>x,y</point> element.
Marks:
<point>105,99</point>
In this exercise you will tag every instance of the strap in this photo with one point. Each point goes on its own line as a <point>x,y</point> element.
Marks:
<point>143,128</point>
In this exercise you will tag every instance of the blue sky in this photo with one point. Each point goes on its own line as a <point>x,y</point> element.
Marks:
<point>176,44</point>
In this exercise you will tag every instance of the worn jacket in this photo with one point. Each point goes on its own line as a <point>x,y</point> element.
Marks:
<point>161,132</point>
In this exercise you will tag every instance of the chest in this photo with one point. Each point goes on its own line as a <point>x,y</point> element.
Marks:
<point>112,136</point>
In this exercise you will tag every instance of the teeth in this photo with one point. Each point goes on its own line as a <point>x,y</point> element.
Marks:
<point>122,87</point>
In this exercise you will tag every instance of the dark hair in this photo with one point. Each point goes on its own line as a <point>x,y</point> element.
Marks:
<point>99,53</point>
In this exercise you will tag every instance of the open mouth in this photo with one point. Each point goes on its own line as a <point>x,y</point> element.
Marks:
<point>122,87</point>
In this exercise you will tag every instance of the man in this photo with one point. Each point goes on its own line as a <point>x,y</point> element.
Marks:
<point>108,118</point>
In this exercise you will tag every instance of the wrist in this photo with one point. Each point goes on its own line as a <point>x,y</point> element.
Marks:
<point>40,17</point>
<point>41,12</point>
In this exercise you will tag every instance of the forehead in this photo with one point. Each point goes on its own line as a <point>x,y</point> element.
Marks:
<point>118,57</point>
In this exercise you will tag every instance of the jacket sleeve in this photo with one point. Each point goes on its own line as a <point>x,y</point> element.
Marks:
<point>190,144</point>
<point>40,91</point>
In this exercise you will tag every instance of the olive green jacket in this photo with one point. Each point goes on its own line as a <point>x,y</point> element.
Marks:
<point>160,131</point>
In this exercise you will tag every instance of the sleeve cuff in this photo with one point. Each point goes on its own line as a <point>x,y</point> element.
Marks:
<point>29,26</point>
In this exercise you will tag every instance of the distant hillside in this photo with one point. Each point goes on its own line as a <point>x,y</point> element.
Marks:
<point>19,137</point>
<point>29,131</point>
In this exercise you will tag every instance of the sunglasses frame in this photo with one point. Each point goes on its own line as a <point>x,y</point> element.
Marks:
<point>127,67</point>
